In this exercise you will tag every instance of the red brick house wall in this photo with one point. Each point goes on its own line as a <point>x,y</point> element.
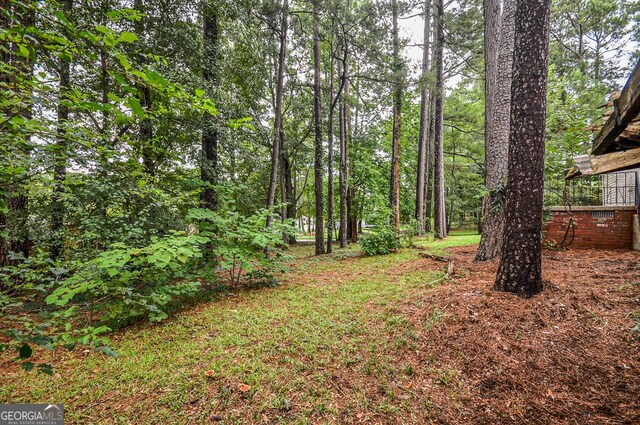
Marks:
<point>593,227</point>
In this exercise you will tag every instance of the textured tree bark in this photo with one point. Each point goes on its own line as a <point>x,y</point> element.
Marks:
<point>520,269</point>
<point>439,210</point>
<point>394,189</point>
<point>492,16</point>
<point>60,169</point>
<point>497,131</point>
<point>317,121</point>
<point>209,153</point>
<point>275,150</point>
<point>424,122</point>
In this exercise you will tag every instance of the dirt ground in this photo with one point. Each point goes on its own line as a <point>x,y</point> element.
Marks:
<point>565,356</point>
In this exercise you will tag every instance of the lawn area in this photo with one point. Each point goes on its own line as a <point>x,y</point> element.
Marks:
<point>331,328</point>
<point>352,339</point>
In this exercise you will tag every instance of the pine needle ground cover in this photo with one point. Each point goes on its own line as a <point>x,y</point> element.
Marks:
<point>386,339</point>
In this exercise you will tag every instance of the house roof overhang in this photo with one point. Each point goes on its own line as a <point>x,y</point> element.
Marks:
<point>616,146</point>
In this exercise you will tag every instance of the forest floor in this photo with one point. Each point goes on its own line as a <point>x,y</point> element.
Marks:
<point>390,339</point>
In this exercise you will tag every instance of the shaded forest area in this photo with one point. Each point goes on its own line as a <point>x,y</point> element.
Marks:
<point>157,157</point>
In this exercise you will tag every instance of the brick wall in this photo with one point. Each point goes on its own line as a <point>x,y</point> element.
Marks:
<point>593,227</point>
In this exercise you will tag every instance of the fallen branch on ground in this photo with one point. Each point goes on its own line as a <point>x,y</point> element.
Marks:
<point>434,257</point>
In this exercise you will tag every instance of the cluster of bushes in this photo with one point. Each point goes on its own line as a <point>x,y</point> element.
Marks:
<point>79,302</point>
<point>381,240</point>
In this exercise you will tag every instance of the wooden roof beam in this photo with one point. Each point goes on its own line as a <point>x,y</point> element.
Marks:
<point>625,109</point>
<point>590,165</point>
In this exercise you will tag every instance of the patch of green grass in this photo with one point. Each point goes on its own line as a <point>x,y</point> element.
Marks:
<point>464,232</point>
<point>334,323</point>
<point>440,246</point>
<point>435,317</point>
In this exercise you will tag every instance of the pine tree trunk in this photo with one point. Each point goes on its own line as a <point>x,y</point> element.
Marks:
<point>277,127</point>
<point>439,210</point>
<point>424,123</point>
<point>352,210</point>
<point>290,195</point>
<point>60,169</point>
<point>209,160</point>
<point>520,269</point>
<point>497,134</point>
<point>428,190</point>
<point>317,121</point>
<point>330,218</point>
<point>394,189</point>
<point>342,177</point>
<point>283,189</point>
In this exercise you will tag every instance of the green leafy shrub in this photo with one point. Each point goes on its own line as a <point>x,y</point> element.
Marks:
<point>125,282</point>
<point>243,249</point>
<point>381,241</point>
<point>408,234</point>
<point>81,303</point>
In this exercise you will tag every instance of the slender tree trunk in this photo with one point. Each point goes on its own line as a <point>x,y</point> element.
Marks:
<point>394,194</point>
<point>209,159</point>
<point>342,177</point>
<point>275,151</point>
<point>349,212</point>
<point>497,133</point>
<point>439,210</point>
<point>429,189</point>
<point>60,170</point>
<point>424,122</point>
<point>520,269</point>
<point>354,218</point>
<point>290,194</point>
<point>330,218</point>
<point>352,210</point>
<point>317,121</point>
<point>283,189</point>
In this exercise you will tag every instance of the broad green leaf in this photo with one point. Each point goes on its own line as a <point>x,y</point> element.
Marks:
<point>25,351</point>
<point>128,37</point>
